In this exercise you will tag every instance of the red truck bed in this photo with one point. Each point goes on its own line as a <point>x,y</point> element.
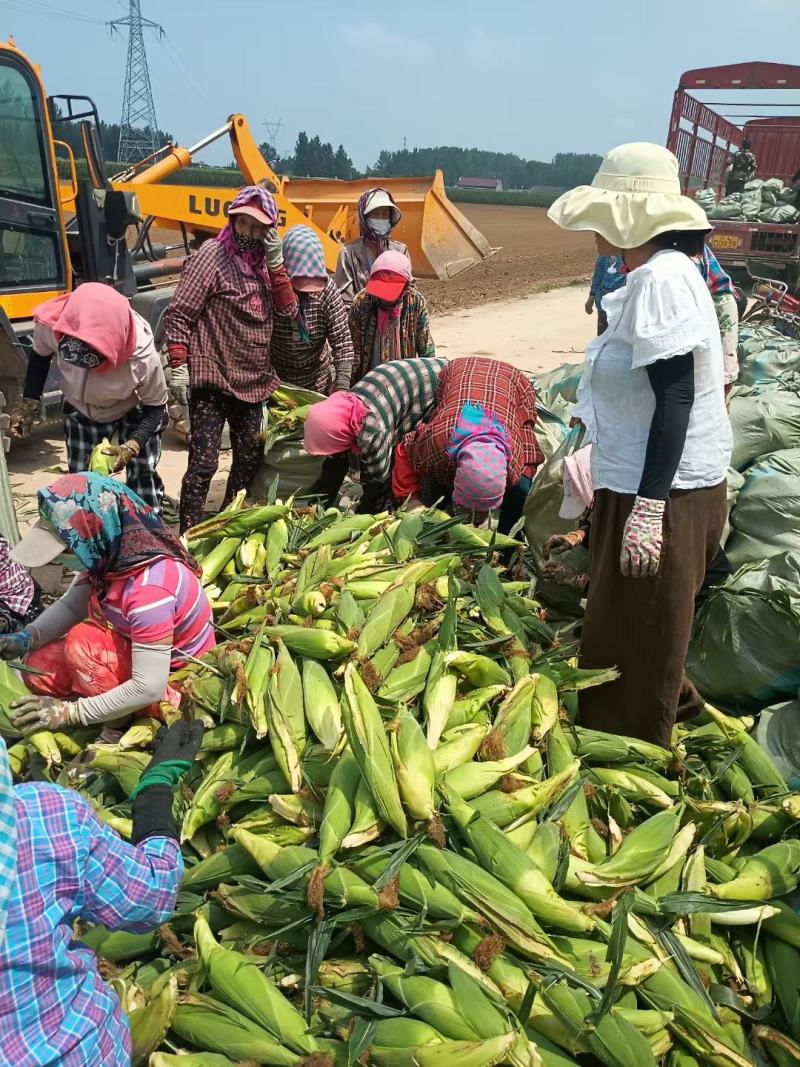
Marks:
<point>704,140</point>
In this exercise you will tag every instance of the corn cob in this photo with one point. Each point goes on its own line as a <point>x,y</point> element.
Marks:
<point>321,705</point>
<point>503,809</point>
<point>583,838</point>
<point>404,1032</point>
<point>753,759</point>
<point>390,610</point>
<point>478,670</point>
<point>311,641</point>
<point>431,1001</point>
<point>634,787</point>
<point>207,1023</point>
<point>639,855</point>
<point>118,945</point>
<point>413,767</point>
<point>190,1059</point>
<point>469,708</point>
<point>370,747</point>
<point>126,767</point>
<point>407,680</point>
<point>149,1024</point>
<point>511,730</point>
<point>415,890</point>
<point>772,872</point>
<point>242,985</point>
<point>212,794</point>
<point>544,707</point>
<point>367,824</point>
<point>473,779</point>
<point>285,718</point>
<point>458,746</point>
<point>515,869</point>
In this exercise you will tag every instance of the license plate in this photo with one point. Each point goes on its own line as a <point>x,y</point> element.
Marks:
<point>724,242</point>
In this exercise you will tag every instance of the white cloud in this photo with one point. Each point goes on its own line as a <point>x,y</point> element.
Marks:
<point>372,36</point>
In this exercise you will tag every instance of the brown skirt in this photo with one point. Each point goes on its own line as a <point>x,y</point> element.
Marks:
<point>643,625</point>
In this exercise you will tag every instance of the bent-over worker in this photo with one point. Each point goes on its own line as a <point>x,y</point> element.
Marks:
<point>478,447</point>
<point>372,418</point>
<point>651,399</point>
<point>59,863</point>
<point>132,614</point>
<point>111,378</point>
<point>389,318</point>
<point>313,349</point>
<point>219,327</point>
<point>377,217</point>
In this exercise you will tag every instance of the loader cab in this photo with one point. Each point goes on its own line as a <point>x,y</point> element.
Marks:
<point>58,227</point>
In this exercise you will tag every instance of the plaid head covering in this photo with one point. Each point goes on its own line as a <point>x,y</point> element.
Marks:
<point>8,837</point>
<point>302,254</point>
<point>252,261</point>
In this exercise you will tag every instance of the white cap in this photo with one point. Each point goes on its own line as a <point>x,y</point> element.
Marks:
<point>39,546</point>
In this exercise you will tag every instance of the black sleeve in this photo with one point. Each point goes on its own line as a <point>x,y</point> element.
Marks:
<point>36,376</point>
<point>672,381</point>
<point>151,814</point>
<point>151,423</point>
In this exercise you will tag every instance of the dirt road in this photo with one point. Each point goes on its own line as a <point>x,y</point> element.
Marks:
<point>534,255</point>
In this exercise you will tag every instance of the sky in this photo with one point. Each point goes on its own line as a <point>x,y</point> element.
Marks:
<point>507,75</point>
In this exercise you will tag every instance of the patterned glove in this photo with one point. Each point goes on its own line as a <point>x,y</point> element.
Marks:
<point>43,713</point>
<point>15,646</point>
<point>642,538</point>
<point>122,454</point>
<point>563,574</point>
<point>179,385</point>
<point>273,249</point>
<point>22,416</point>
<point>559,543</point>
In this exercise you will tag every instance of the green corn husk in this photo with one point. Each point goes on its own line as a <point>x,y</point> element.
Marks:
<point>342,530</point>
<point>545,848</point>
<point>126,767</point>
<point>224,866</point>
<point>321,703</point>
<point>242,985</point>
<point>213,793</point>
<point>339,810</point>
<point>406,681</point>
<point>414,888</point>
<point>311,641</point>
<point>473,779</point>
<point>634,787</point>
<point>431,1001</point>
<point>753,759</point>
<point>458,747</point>
<point>285,718</point>
<point>390,610</point>
<point>404,1032</point>
<point>478,670</point>
<point>370,747</point>
<point>258,669</point>
<point>190,1059</point>
<point>503,809</point>
<point>772,872</point>
<point>511,729</point>
<point>515,869</point>
<point>413,767</point>
<point>782,1050</point>
<point>482,891</point>
<point>639,855</point>
<point>544,708</point>
<point>224,738</point>
<point>149,1024</point>
<point>584,840</point>
<point>471,706</point>
<point>207,1023</point>
<point>139,735</point>
<point>119,946</point>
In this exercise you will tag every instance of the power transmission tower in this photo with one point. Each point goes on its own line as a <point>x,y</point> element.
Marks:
<point>137,128</point>
<point>273,130</point>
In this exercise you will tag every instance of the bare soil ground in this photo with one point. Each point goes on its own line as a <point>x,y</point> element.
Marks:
<point>534,256</point>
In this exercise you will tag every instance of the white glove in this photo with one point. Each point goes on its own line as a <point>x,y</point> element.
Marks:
<point>273,249</point>
<point>179,386</point>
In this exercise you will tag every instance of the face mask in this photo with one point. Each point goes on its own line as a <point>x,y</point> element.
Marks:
<point>380,227</point>
<point>246,243</point>
<point>70,561</point>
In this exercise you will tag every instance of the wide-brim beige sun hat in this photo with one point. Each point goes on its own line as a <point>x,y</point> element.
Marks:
<point>634,196</point>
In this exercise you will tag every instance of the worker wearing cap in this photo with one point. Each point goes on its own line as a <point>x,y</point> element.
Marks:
<point>219,328</point>
<point>377,217</point>
<point>389,318</point>
<point>60,863</point>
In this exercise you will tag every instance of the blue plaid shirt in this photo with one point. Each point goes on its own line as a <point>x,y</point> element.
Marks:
<point>55,1009</point>
<point>607,278</point>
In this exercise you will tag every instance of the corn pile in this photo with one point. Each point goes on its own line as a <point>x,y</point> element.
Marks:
<point>401,852</point>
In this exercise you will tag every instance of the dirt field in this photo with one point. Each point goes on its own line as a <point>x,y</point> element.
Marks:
<point>535,255</point>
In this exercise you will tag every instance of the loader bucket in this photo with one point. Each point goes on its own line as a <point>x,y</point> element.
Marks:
<point>442,242</point>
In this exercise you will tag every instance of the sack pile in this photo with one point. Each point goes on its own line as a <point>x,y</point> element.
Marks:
<point>761,201</point>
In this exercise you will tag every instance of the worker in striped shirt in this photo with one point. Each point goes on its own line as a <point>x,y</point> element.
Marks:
<point>372,419</point>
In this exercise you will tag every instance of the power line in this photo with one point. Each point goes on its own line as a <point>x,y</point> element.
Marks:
<point>48,11</point>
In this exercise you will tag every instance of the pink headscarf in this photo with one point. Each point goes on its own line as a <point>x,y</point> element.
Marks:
<point>97,315</point>
<point>481,449</point>
<point>333,424</point>
<point>252,261</point>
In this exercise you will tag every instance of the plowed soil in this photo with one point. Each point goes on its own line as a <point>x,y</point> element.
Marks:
<point>533,255</point>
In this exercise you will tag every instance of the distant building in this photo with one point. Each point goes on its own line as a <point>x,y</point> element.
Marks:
<point>480,183</point>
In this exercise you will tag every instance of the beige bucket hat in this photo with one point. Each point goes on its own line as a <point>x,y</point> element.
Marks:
<point>634,196</point>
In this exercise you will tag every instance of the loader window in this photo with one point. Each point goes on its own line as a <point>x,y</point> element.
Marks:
<point>28,259</point>
<point>22,162</point>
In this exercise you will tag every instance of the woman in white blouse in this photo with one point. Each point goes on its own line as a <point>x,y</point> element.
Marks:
<point>652,402</point>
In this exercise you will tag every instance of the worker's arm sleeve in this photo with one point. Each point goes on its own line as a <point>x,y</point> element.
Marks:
<point>36,376</point>
<point>128,887</point>
<point>152,422</point>
<point>198,281</point>
<point>337,332</point>
<point>61,616</point>
<point>405,481</point>
<point>284,298</point>
<point>345,277</point>
<point>150,667</point>
<point>728,318</point>
<point>424,340</point>
<point>672,382</point>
